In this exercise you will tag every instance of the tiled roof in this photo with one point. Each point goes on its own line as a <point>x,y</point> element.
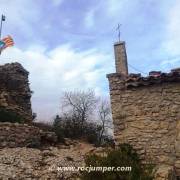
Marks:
<point>155,77</point>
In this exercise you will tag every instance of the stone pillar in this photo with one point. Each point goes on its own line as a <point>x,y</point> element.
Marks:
<point>121,58</point>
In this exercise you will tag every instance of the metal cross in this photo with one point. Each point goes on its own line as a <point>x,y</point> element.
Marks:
<point>119,31</point>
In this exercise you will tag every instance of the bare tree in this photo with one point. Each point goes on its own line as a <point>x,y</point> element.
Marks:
<point>83,114</point>
<point>104,113</point>
<point>79,105</point>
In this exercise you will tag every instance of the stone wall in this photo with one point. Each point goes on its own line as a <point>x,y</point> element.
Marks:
<point>146,114</point>
<point>23,135</point>
<point>15,93</point>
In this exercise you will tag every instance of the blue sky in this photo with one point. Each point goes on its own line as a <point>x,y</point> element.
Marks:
<point>68,44</point>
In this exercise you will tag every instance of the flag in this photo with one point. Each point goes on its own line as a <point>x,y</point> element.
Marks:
<point>6,42</point>
<point>3,18</point>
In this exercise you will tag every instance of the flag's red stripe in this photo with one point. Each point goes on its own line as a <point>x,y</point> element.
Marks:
<point>8,42</point>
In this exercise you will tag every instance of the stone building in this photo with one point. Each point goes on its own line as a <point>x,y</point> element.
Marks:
<point>15,94</point>
<point>146,112</point>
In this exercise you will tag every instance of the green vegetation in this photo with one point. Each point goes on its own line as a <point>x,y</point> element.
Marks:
<point>123,156</point>
<point>9,116</point>
<point>71,128</point>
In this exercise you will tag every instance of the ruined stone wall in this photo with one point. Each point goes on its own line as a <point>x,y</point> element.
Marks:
<point>23,135</point>
<point>146,114</point>
<point>15,93</point>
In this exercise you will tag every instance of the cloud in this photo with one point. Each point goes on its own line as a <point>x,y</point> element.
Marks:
<point>172,31</point>
<point>58,70</point>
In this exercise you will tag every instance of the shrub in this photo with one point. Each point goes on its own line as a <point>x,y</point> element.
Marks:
<point>59,129</point>
<point>10,116</point>
<point>124,156</point>
<point>71,128</point>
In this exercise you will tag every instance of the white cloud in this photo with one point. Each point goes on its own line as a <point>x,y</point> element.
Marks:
<point>58,70</point>
<point>172,32</point>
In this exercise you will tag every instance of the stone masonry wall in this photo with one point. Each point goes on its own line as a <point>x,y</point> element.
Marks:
<point>121,58</point>
<point>23,135</point>
<point>15,93</point>
<point>146,114</point>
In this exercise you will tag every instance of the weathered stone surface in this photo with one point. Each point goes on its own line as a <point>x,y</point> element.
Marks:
<point>121,58</point>
<point>15,93</point>
<point>23,135</point>
<point>146,114</point>
<point>164,172</point>
<point>28,163</point>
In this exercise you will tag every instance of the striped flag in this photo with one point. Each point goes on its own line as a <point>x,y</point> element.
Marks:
<point>6,42</point>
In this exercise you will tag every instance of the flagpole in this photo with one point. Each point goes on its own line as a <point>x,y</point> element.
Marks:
<point>1,26</point>
<point>1,30</point>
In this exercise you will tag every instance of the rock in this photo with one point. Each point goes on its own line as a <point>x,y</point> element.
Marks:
<point>164,172</point>
<point>15,93</point>
<point>24,163</point>
<point>48,137</point>
<point>23,135</point>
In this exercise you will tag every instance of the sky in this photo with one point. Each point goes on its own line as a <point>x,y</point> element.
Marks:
<point>68,44</point>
